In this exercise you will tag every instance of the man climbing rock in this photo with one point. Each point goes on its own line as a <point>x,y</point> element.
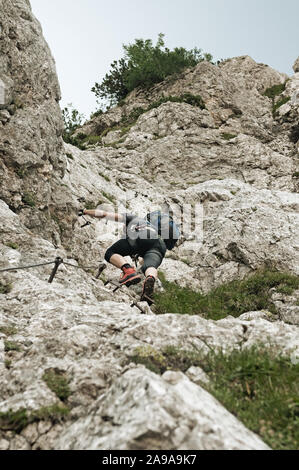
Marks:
<point>148,238</point>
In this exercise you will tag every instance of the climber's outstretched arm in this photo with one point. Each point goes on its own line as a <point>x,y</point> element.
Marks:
<point>99,214</point>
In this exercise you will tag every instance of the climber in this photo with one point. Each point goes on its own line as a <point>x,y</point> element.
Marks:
<point>148,238</point>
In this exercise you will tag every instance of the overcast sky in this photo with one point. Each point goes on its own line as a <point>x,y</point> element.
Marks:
<point>85,36</point>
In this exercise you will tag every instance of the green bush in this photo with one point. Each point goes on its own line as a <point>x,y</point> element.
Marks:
<point>72,121</point>
<point>144,65</point>
<point>275,90</point>
<point>234,298</point>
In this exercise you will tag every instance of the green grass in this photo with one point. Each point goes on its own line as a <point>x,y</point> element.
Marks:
<point>227,136</point>
<point>261,388</point>
<point>296,174</point>
<point>169,358</point>
<point>257,385</point>
<point>110,197</point>
<point>193,100</point>
<point>92,140</point>
<point>18,420</point>
<point>29,199</point>
<point>104,176</point>
<point>14,246</point>
<point>11,346</point>
<point>21,172</point>
<point>234,298</point>
<point>58,383</point>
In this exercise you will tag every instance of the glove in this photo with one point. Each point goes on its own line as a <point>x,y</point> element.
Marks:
<point>81,212</point>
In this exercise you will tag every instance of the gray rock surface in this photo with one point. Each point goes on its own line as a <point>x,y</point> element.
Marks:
<point>163,413</point>
<point>31,149</point>
<point>296,65</point>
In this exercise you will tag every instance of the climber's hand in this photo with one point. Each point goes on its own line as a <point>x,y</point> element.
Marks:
<point>81,212</point>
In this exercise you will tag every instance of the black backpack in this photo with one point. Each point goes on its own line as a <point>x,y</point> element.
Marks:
<point>166,228</point>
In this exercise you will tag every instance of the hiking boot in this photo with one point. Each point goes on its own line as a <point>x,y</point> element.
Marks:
<point>129,277</point>
<point>148,290</point>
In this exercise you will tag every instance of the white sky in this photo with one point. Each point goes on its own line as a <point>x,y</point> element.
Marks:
<point>85,36</point>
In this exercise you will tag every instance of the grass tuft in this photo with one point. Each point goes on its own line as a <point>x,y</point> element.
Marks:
<point>234,298</point>
<point>18,420</point>
<point>11,346</point>
<point>58,383</point>
<point>227,136</point>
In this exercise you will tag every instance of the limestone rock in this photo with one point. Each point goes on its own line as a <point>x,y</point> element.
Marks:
<point>197,375</point>
<point>31,149</point>
<point>144,411</point>
<point>296,65</point>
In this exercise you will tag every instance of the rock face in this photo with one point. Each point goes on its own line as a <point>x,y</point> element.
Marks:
<point>236,159</point>
<point>31,148</point>
<point>164,414</point>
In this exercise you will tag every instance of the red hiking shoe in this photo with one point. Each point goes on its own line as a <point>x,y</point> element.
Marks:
<point>129,277</point>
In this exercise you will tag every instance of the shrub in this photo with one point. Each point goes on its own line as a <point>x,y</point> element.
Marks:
<point>275,90</point>
<point>144,65</point>
<point>72,119</point>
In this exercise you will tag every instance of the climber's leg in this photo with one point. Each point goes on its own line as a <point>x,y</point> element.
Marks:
<point>115,255</point>
<point>152,260</point>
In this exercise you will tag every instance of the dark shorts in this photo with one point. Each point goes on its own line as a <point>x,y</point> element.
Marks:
<point>151,250</point>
